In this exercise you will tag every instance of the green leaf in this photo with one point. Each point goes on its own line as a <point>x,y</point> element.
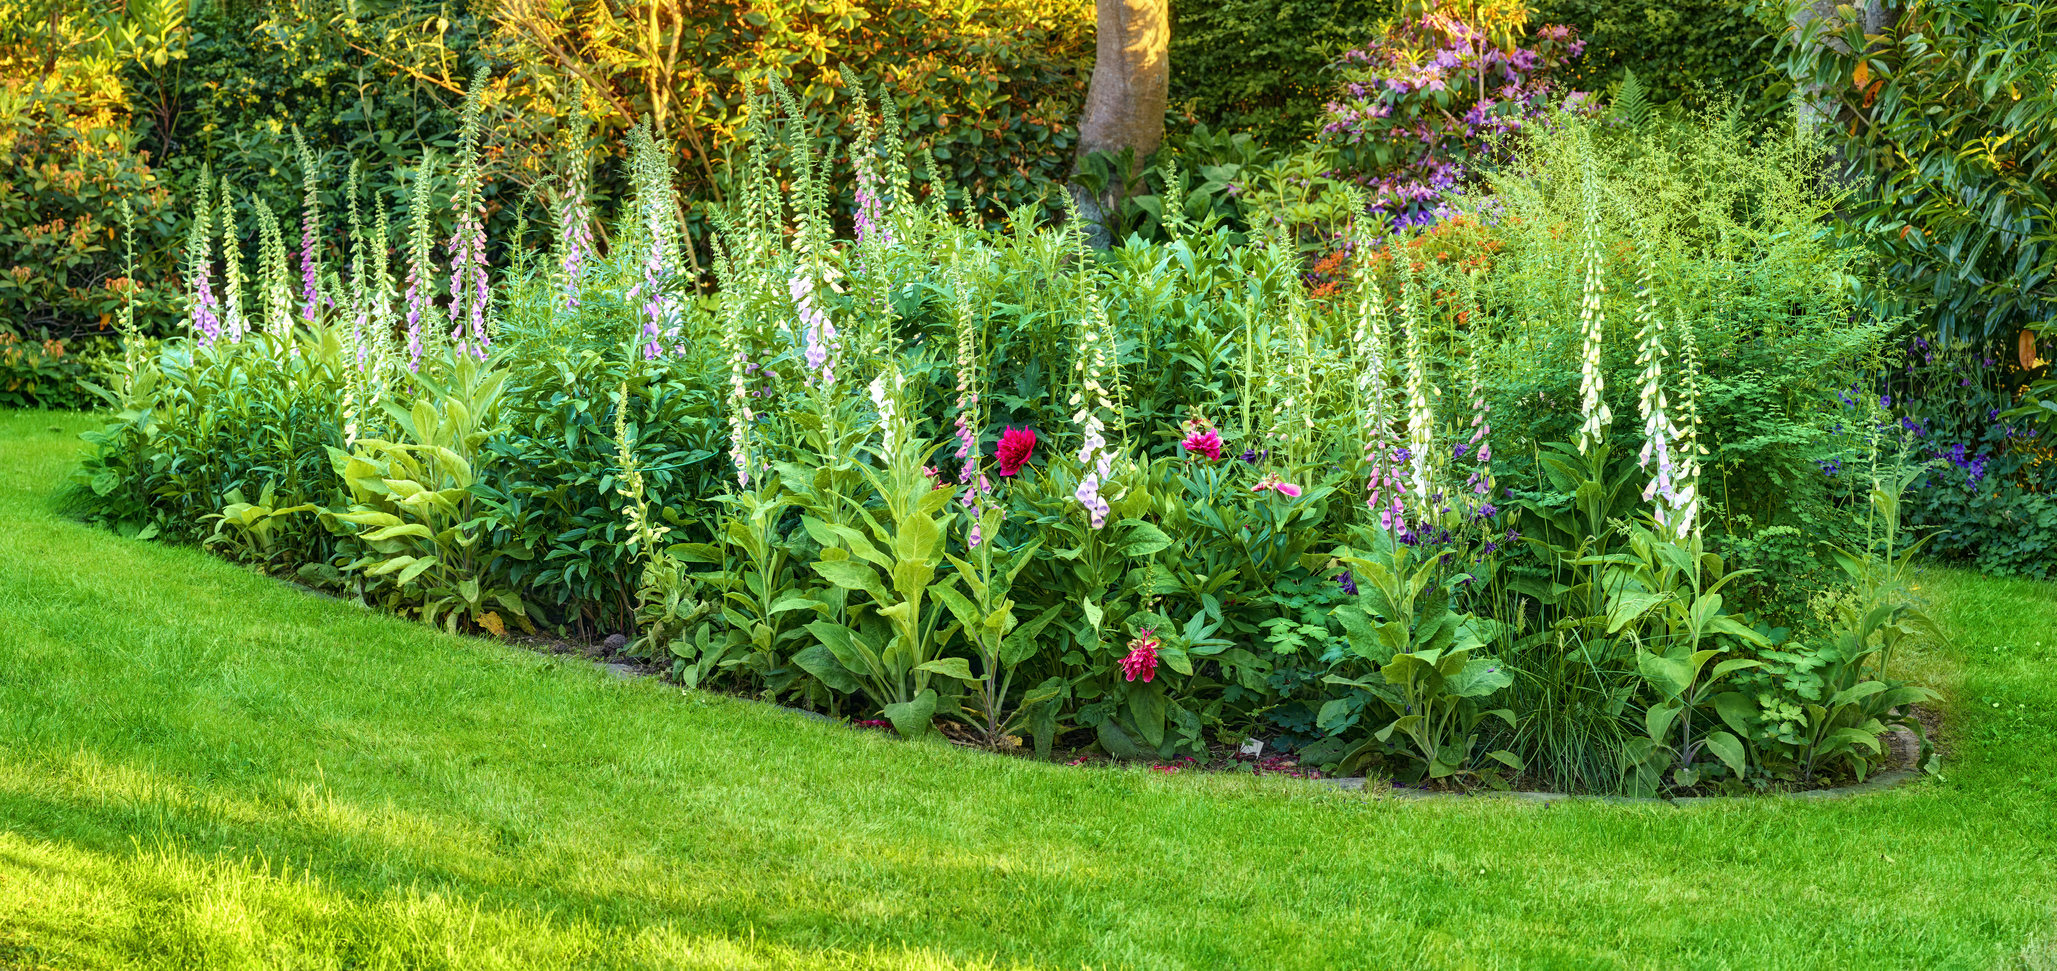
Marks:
<point>853,575</point>
<point>1728,749</point>
<point>1142,539</point>
<point>1657,721</point>
<point>1021,643</point>
<point>1856,692</point>
<point>1050,690</point>
<point>819,661</point>
<point>1672,675</point>
<point>1737,710</point>
<point>1627,609</point>
<point>949,667</point>
<point>794,600</point>
<point>1146,704</point>
<point>849,648</point>
<point>415,569</point>
<point>1478,678</point>
<point>912,718</point>
<point>1116,741</point>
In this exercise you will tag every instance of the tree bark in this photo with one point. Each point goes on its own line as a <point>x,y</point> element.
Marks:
<point>1126,97</point>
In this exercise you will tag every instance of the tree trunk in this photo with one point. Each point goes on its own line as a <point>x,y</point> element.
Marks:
<point>1125,101</point>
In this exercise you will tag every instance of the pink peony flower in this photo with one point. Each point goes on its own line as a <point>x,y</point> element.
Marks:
<point>1142,656</point>
<point>1017,446</point>
<point>1202,440</point>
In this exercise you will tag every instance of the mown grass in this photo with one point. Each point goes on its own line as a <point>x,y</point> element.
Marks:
<point>203,767</point>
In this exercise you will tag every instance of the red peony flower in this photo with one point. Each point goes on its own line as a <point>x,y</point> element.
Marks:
<point>1142,657</point>
<point>1017,446</point>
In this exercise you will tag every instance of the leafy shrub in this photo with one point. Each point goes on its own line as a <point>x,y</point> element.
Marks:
<point>68,163</point>
<point>43,374</point>
<point>1732,225</point>
<point>1989,492</point>
<point>1945,128</point>
<point>1427,107</point>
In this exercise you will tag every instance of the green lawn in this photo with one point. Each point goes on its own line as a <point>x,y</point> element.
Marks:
<point>203,767</point>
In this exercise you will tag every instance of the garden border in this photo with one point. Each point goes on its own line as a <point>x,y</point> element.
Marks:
<point>1889,779</point>
<point>1902,742</point>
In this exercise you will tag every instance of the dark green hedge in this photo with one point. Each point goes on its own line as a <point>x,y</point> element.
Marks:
<point>1261,65</point>
<point>1676,47</point>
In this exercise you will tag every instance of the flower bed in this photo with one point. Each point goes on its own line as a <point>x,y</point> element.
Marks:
<point>1454,513</point>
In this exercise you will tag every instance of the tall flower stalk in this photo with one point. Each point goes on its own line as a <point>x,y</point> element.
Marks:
<point>1097,371</point>
<point>574,214</point>
<point>735,348</point>
<point>235,321</point>
<point>1480,445</point>
<point>420,296</point>
<point>1685,496</point>
<point>273,291</point>
<point>1592,433</point>
<point>125,318</point>
<point>647,532</point>
<point>820,343</point>
<point>1384,484</point>
<point>381,306</point>
<point>656,204</point>
<point>360,287</point>
<point>470,293</point>
<point>970,406</point>
<point>1651,403</point>
<point>870,221</point>
<point>310,231</point>
<point>1421,417</point>
<point>201,315</point>
<point>894,428</point>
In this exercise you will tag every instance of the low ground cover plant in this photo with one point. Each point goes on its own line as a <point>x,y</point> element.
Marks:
<point>1481,504</point>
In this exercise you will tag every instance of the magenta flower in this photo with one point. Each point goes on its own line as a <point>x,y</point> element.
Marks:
<point>1202,439</point>
<point>1273,482</point>
<point>1142,656</point>
<point>1017,446</point>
